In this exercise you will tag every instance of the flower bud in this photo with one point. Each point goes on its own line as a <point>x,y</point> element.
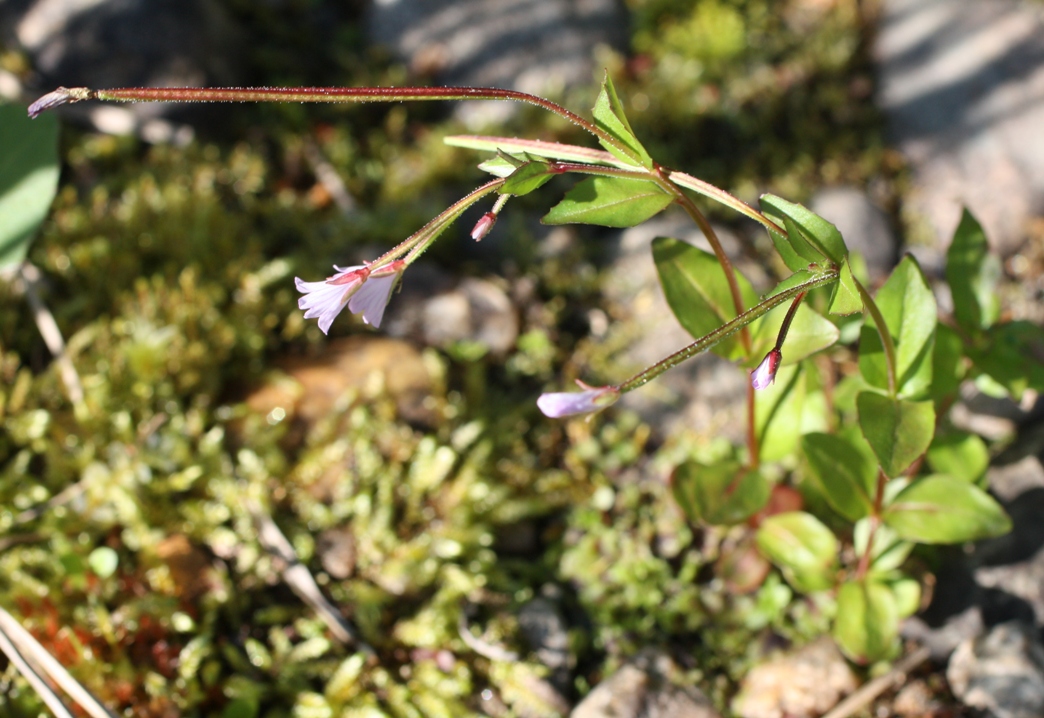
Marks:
<point>559,404</point>
<point>483,226</point>
<point>765,374</point>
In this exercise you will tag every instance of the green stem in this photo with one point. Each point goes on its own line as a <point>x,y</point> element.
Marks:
<point>726,330</point>
<point>875,521</point>
<point>721,196</point>
<point>886,336</point>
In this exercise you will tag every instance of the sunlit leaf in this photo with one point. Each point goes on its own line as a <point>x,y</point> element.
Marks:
<point>942,509</point>
<point>810,332</point>
<point>897,430</point>
<point>802,547</point>
<point>813,228</point>
<point>608,113</point>
<point>960,455</point>
<point>28,178</point>
<point>867,623</point>
<point>609,202</point>
<point>845,298</point>
<point>528,177</point>
<point>845,477</point>
<point>972,273</point>
<point>697,291</point>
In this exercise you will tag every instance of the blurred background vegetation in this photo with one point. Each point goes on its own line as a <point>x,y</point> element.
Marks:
<point>440,505</point>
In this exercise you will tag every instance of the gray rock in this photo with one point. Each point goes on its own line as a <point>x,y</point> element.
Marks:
<point>1012,480</point>
<point>477,310</point>
<point>535,46</point>
<point>643,688</point>
<point>1002,672</point>
<point>864,226</point>
<point>962,85</point>
<point>545,630</point>
<point>803,683</point>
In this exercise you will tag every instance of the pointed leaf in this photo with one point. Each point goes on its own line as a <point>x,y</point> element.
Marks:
<point>972,273</point>
<point>816,230</point>
<point>1012,355</point>
<point>908,306</point>
<point>537,148</point>
<point>897,430</point>
<point>526,178</point>
<point>609,202</point>
<point>846,478</point>
<point>942,509</point>
<point>845,299</point>
<point>889,551</point>
<point>697,291</point>
<point>28,178</point>
<point>719,494</point>
<point>802,547</point>
<point>609,115</point>
<point>948,368</point>
<point>867,623</point>
<point>794,261</point>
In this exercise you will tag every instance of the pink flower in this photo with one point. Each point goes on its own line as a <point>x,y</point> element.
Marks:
<point>594,398</point>
<point>765,374</point>
<point>483,226</point>
<point>326,299</point>
<point>372,298</point>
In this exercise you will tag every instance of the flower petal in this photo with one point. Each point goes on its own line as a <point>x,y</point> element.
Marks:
<point>372,298</point>
<point>765,373</point>
<point>325,300</point>
<point>559,404</point>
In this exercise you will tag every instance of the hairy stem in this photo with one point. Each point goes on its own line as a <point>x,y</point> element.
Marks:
<point>726,330</point>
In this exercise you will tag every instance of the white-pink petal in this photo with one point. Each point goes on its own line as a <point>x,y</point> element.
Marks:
<point>324,300</point>
<point>560,404</point>
<point>765,374</point>
<point>372,298</point>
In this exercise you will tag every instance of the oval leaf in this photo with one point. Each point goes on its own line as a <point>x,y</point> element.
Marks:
<point>897,430</point>
<point>530,176</point>
<point>972,273</point>
<point>802,547</point>
<point>724,493</point>
<point>813,228</point>
<point>867,622</point>
<point>28,178</point>
<point>810,332</point>
<point>845,477</point>
<point>960,455</point>
<point>845,298</point>
<point>697,291</point>
<point>608,114</point>
<point>609,202</point>
<point>941,509</point>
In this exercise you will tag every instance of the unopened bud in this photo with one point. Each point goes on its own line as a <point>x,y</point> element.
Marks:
<point>483,226</point>
<point>765,374</point>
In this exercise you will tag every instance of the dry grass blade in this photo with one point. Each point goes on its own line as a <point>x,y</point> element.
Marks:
<point>31,659</point>
<point>301,581</point>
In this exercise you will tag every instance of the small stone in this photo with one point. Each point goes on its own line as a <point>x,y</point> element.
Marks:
<point>806,682</point>
<point>643,688</point>
<point>1001,672</point>
<point>477,310</point>
<point>337,552</point>
<point>1012,480</point>
<point>915,699</point>
<point>188,565</point>
<point>864,226</point>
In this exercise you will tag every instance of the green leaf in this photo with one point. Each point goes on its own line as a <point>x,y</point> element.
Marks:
<point>908,306</point>
<point>942,509</point>
<point>867,623</point>
<point>802,547</point>
<point>846,478</point>
<point>794,261</point>
<point>972,273</point>
<point>947,366</point>
<point>897,430</point>
<point>813,228</point>
<point>960,455</point>
<point>845,298</point>
<point>609,202</point>
<point>810,332</point>
<point>808,252</point>
<point>528,177</point>
<point>1013,355</point>
<point>697,291</point>
<point>723,493</point>
<point>536,148</point>
<point>609,115</point>
<point>28,178</point>
<point>907,594</point>
<point>794,405</point>
<point>889,551</point>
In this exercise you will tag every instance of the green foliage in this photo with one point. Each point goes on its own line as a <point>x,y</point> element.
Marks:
<point>942,509</point>
<point>722,493</point>
<point>28,179</point>
<point>609,202</point>
<point>609,117</point>
<point>803,548</point>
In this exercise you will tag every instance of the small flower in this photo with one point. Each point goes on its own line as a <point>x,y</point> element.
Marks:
<point>483,226</point>
<point>765,374</point>
<point>593,398</point>
<point>326,299</point>
<point>372,298</point>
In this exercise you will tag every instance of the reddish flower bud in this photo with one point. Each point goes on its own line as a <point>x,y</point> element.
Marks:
<point>765,374</point>
<point>483,226</point>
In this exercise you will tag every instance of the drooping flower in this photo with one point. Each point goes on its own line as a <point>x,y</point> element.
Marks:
<point>372,298</point>
<point>765,374</point>
<point>483,226</point>
<point>594,398</point>
<point>326,299</point>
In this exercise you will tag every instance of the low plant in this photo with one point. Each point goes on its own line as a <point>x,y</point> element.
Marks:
<point>850,459</point>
